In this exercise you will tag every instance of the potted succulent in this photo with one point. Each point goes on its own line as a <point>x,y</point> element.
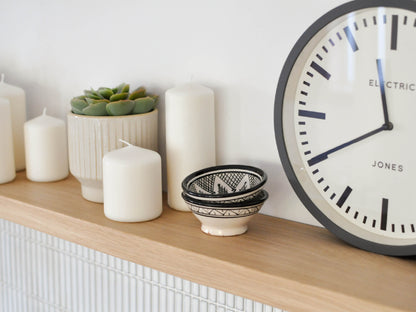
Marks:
<point>98,119</point>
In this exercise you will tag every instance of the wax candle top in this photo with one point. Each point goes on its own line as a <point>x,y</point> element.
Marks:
<point>7,89</point>
<point>190,89</point>
<point>45,121</point>
<point>131,153</point>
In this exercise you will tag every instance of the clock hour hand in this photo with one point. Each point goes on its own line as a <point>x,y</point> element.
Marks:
<point>383,95</point>
<point>323,156</point>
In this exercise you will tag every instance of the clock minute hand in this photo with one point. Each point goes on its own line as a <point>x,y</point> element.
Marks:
<point>383,95</point>
<point>323,156</point>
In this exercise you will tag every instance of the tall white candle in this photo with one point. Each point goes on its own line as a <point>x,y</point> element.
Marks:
<point>17,99</point>
<point>46,149</point>
<point>132,184</point>
<point>190,136</point>
<point>7,168</point>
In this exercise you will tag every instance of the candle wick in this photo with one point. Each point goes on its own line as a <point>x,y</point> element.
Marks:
<point>2,78</point>
<point>44,111</point>
<point>125,142</point>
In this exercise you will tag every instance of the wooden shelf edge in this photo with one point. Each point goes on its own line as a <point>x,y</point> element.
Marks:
<point>163,245</point>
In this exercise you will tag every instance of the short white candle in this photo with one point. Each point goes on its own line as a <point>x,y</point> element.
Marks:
<point>46,149</point>
<point>132,184</point>
<point>7,168</point>
<point>190,136</point>
<point>17,99</point>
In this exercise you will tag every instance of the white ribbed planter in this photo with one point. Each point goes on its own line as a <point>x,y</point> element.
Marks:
<point>91,137</point>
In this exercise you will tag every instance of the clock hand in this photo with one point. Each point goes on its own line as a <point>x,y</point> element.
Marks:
<point>386,126</point>
<point>383,95</point>
<point>323,156</point>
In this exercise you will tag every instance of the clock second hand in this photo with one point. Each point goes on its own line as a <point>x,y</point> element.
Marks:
<point>323,156</point>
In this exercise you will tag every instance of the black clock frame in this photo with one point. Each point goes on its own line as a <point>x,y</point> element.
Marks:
<point>346,236</point>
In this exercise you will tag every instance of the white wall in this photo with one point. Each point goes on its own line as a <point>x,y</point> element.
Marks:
<point>56,49</point>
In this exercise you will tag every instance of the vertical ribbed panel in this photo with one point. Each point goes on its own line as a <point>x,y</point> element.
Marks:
<point>39,272</point>
<point>89,138</point>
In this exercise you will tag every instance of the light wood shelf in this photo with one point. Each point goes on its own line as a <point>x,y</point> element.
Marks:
<point>285,264</point>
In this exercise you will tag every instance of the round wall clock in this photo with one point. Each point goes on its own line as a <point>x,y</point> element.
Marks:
<point>345,123</point>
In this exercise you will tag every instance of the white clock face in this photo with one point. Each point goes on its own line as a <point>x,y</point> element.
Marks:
<point>349,121</point>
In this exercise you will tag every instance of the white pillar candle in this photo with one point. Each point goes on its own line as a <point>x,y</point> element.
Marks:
<point>46,149</point>
<point>17,99</point>
<point>7,168</point>
<point>132,184</point>
<point>190,136</point>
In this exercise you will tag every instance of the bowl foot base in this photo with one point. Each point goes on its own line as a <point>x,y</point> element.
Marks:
<point>238,230</point>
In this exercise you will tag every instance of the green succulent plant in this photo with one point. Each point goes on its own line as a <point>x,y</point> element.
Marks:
<point>114,101</point>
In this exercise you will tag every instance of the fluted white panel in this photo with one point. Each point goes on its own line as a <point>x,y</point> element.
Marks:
<point>42,273</point>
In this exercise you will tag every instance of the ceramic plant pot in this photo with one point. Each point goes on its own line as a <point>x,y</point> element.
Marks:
<point>225,219</point>
<point>91,137</point>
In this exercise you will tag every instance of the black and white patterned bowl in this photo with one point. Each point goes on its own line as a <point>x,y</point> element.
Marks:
<point>225,219</point>
<point>225,183</point>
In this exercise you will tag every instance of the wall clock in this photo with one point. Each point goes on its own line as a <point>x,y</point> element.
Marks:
<point>345,123</point>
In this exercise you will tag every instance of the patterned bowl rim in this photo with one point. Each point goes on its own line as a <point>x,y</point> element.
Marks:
<point>231,198</point>
<point>242,205</point>
<point>224,168</point>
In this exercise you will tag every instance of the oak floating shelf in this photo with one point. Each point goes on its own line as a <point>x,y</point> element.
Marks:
<point>285,264</point>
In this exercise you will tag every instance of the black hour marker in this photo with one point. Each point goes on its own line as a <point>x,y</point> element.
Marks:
<point>305,143</point>
<point>332,43</point>
<point>302,133</point>
<point>355,26</point>
<point>356,215</point>
<point>350,38</point>
<point>375,20</point>
<point>412,226</point>
<point>311,114</point>
<point>302,103</point>
<point>307,152</point>
<point>365,219</point>
<point>306,83</point>
<point>333,195</point>
<point>402,228</point>
<point>315,171</point>
<point>405,20</point>
<point>326,188</point>
<point>325,49</point>
<point>320,180</point>
<point>394,24</point>
<point>304,93</point>
<point>393,228</point>
<point>365,22</point>
<point>374,223</point>
<point>321,71</point>
<point>384,210</point>
<point>302,123</point>
<point>414,24</point>
<point>384,19</point>
<point>309,74</point>
<point>344,196</point>
<point>348,209</point>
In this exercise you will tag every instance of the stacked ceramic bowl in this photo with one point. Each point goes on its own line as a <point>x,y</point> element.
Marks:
<point>225,198</point>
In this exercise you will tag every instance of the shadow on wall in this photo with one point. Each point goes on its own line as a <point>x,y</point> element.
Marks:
<point>282,202</point>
